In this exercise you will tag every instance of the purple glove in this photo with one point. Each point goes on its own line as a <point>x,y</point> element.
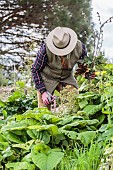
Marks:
<point>47,98</point>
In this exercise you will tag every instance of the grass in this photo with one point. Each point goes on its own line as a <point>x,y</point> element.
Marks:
<point>81,158</point>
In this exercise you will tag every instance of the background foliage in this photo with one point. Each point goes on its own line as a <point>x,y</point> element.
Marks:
<point>25,23</point>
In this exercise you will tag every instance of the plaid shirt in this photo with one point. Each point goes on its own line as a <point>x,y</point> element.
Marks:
<point>40,63</point>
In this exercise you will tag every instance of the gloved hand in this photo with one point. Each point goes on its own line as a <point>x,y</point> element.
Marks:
<point>47,98</point>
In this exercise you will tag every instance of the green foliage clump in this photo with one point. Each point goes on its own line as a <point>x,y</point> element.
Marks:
<point>73,138</point>
<point>18,101</point>
<point>37,136</point>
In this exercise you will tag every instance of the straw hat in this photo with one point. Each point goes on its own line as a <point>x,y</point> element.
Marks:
<point>61,41</point>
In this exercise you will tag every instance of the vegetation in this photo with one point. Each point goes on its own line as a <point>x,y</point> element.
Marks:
<point>26,23</point>
<point>75,137</point>
<point>78,134</point>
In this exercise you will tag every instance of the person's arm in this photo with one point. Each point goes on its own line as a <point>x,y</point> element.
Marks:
<point>37,67</point>
<point>82,68</point>
<point>84,52</point>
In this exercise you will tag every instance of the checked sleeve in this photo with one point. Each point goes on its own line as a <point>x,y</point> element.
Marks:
<point>84,52</point>
<point>37,67</point>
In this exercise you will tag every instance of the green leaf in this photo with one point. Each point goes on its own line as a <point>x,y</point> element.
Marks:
<point>103,128</point>
<point>83,103</point>
<point>15,126</point>
<point>107,111</point>
<point>20,166</point>
<point>47,161</point>
<point>108,132</point>
<point>14,96</point>
<point>86,95</point>
<point>70,134</point>
<point>40,147</point>
<point>32,121</point>
<point>79,124</point>
<point>45,137</point>
<point>53,129</point>
<point>13,137</point>
<point>20,84</point>
<point>51,118</point>
<point>6,153</point>
<point>3,145</point>
<point>91,122</point>
<point>31,134</point>
<point>58,138</point>
<point>2,104</point>
<point>4,112</point>
<point>25,146</point>
<point>69,119</point>
<point>27,158</point>
<point>92,109</point>
<point>101,118</point>
<point>2,138</point>
<point>86,137</point>
<point>36,113</point>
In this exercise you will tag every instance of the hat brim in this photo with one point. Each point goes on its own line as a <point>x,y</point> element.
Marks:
<point>67,49</point>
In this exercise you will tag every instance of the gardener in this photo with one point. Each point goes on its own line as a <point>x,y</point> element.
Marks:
<point>55,60</point>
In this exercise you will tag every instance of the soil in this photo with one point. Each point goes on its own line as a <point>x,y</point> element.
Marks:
<point>5,92</point>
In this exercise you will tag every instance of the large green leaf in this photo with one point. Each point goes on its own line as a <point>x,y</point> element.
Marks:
<point>47,161</point>
<point>91,122</point>
<point>79,124</point>
<point>13,137</point>
<point>36,113</point>
<point>15,126</point>
<point>107,95</point>
<point>86,95</point>
<point>20,166</point>
<point>69,119</point>
<point>86,137</point>
<point>92,109</point>
<point>53,129</point>
<point>106,133</point>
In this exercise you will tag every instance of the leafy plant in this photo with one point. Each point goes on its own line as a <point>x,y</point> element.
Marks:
<point>17,103</point>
